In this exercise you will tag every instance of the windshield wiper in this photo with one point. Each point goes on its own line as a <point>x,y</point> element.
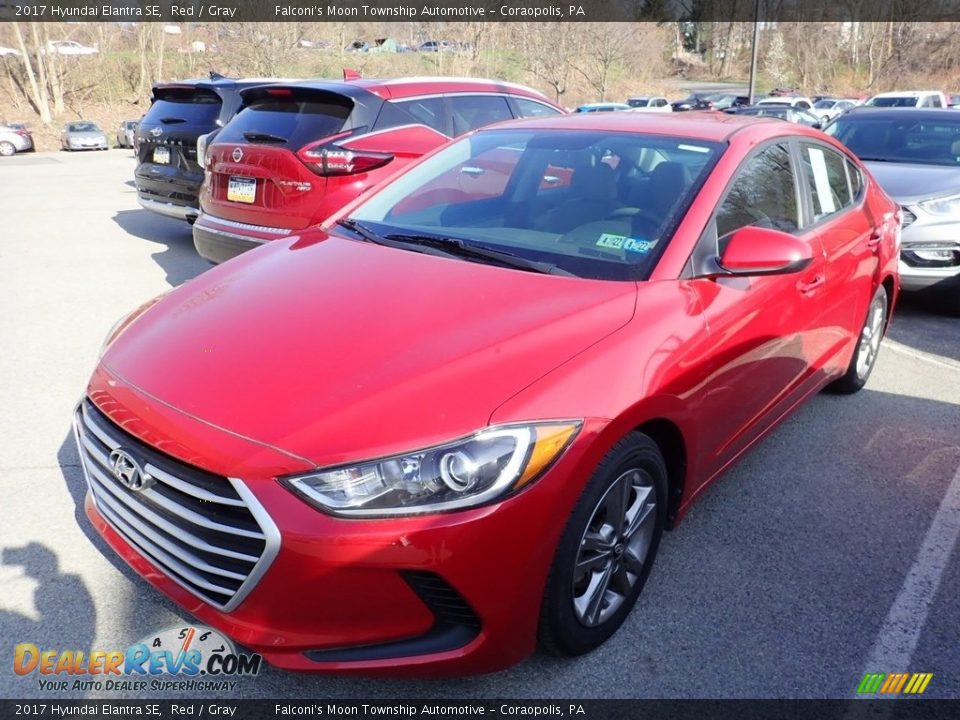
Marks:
<point>449,247</point>
<point>255,136</point>
<point>460,248</point>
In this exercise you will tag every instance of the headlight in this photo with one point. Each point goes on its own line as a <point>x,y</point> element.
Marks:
<point>461,474</point>
<point>948,205</point>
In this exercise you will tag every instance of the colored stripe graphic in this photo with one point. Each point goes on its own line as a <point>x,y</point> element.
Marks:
<point>894,683</point>
<point>918,683</point>
<point>871,682</point>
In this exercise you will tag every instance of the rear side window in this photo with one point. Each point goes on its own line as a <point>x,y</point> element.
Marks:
<point>429,111</point>
<point>764,194</point>
<point>292,121</point>
<point>474,111</point>
<point>191,106</point>
<point>856,180</point>
<point>532,108</point>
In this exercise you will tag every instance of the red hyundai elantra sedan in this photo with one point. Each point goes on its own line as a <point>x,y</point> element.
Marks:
<point>458,418</point>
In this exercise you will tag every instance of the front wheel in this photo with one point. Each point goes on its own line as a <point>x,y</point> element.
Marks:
<point>868,347</point>
<point>7,149</point>
<point>607,549</point>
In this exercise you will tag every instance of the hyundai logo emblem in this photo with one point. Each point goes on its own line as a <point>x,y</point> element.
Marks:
<point>237,154</point>
<point>156,132</point>
<point>128,472</point>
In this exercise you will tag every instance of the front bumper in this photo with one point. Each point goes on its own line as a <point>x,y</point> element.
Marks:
<point>218,240</point>
<point>456,593</point>
<point>930,254</point>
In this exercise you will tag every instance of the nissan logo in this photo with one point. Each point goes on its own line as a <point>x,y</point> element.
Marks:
<point>156,132</point>
<point>237,154</point>
<point>128,472</point>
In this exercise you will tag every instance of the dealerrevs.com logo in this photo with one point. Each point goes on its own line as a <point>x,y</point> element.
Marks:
<point>201,656</point>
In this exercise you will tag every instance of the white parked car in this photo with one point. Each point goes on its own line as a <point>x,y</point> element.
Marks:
<point>829,108</point>
<point>70,47</point>
<point>4,51</point>
<point>795,101</point>
<point>647,103</point>
<point>910,98</point>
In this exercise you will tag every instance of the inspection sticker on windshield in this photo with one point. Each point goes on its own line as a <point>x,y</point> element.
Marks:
<point>622,242</point>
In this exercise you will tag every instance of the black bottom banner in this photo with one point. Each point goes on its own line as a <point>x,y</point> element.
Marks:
<point>892,709</point>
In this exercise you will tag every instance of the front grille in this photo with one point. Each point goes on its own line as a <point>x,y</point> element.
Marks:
<point>204,531</point>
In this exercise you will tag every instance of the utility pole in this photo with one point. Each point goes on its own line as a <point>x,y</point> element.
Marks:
<point>753,51</point>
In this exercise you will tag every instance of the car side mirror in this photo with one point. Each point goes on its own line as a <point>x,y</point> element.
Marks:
<point>764,251</point>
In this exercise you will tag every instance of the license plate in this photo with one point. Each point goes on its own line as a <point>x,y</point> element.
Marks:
<point>161,155</point>
<point>242,189</point>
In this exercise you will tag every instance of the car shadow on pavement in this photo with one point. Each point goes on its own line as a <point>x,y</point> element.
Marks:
<point>178,258</point>
<point>920,322</point>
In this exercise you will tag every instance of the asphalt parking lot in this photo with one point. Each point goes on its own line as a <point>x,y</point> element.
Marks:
<point>830,551</point>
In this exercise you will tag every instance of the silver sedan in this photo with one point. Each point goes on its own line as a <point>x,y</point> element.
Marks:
<point>83,135</point>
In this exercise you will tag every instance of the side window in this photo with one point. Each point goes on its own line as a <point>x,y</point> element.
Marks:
<point>428,111</point>
<point>763,194</point>
<point>474,111</point>
<point>856,180</point>
<point>935,101</point>
<point>827,177</point>
<point>532,108</point>
<point>803,104</point>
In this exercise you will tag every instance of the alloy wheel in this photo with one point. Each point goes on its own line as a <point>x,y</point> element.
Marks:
<point>870,338</point>
<point>614,547</point>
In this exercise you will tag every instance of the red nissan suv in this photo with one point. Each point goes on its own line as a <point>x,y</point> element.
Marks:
<point>298,152</point>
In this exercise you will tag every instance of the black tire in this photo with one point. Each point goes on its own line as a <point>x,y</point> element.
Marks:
<point>868,347</point>
<point>568,625</point>
<point>7,149</point>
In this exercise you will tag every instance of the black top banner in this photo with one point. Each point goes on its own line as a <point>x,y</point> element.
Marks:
<point>480,10</point>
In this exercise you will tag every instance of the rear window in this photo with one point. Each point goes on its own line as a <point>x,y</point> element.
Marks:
<point>905,139</point>
<point>193,106</point>
<point>290,121</point>
<point>893,102</point>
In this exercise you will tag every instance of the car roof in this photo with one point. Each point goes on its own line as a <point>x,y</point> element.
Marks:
<point>891,113</point>
<point>695,125</point>
<point>907,93</point>
<point>394,88</point>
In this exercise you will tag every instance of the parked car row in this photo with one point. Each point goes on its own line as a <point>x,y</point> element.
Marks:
<point>298,150</point>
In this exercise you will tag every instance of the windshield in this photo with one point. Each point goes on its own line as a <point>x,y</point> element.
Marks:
<point>594,204</point>
<point>84,127</point>
<point>638,102</point>
<point>902,101</point>
<point>824,104</point>
<point>901,139</point>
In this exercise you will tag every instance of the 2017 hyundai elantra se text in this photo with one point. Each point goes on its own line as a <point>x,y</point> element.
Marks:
<point>458,417</point>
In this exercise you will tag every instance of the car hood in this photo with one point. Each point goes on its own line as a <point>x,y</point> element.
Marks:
<point>86,134</point>
<point>910,183</point>
<point>341,350</point>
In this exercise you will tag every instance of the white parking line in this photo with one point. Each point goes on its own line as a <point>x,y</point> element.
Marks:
<point>919,355</point>
<point>895,644</point>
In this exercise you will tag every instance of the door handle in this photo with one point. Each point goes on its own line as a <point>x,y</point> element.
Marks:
<point>808,286</point>
<point>876,237</point>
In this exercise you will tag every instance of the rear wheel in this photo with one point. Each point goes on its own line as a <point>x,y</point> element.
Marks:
<point>607,549</point>
<point>868,347</point>
<point>7,149</point>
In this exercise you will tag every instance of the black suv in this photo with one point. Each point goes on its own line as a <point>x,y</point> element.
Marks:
<point>168,175</point>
